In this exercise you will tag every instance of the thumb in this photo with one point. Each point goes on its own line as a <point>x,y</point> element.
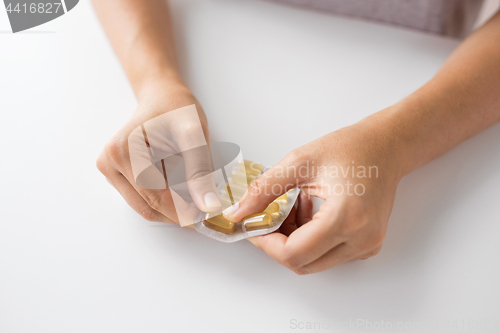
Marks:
<point>200,179</point>
<point>265,189</point>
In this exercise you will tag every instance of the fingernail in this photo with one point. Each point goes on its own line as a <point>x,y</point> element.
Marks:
<point>211,200</point>
<point>231,209</point>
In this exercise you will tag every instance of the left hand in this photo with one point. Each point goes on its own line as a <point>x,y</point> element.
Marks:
<point>352,221</point>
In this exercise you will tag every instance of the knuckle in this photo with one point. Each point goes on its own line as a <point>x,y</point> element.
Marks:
<point>101,165</point>
<point>300,271</point>
<point>115,150</point>
<point>255,188</point>
<point>291,260</point>
<point>296,156</point>
<point>378,238</point>
<point>199,173</point>
<point>372,253</point>
<point>148,214</point>
<point>376,251</point>
<point>374,241</point>
<point>153,200</point>
<point>191,128</point>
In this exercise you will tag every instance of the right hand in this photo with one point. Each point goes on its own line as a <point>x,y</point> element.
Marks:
<point>114,161</point>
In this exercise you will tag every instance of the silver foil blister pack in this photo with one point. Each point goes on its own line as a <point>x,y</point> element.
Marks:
<point>242,174</point>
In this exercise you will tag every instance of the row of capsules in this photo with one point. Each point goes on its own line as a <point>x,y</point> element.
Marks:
<point>240,179</point>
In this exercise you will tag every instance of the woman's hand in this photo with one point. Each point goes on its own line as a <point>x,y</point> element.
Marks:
<point>461,100</point>
<point>141,34</point>
<point>114,161</point>
<point>356,171</point>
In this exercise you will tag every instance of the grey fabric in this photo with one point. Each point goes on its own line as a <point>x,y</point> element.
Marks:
<point>445,17</point>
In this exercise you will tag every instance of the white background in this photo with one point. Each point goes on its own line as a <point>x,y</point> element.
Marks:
<point>75,258</point>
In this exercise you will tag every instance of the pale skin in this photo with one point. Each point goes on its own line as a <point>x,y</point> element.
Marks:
<point>461,100</point>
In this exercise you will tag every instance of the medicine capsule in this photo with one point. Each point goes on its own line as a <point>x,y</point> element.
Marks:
<point>238,176</point>
<point>252,168</point>
<point>283,197</point>
<point>236,189</point>
<point>219,223</point>
<point>226,202</point>
<point>257,221</point>
<point>282,200</point>
<point>277,215</point>
<point>273,207</point>
<point>224,196</point>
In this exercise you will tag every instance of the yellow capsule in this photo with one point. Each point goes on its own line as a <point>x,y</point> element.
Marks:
<point>253,165</point>
<point>225,196</point>
<point>252,168</point>
<point>282,200</point>
<point>257,221</point>
<point>236,189</point>
<point>219,223</point>
<point>239,176</point>
<point>277,215</point>
<point>273,207</point>
<point>283,197</point>
<point>226,202</point>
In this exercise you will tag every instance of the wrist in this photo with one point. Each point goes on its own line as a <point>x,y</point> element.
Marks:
<point>159,82</point>
<point>165,88</point>
<point>392,143</point>
<point>408,128</point>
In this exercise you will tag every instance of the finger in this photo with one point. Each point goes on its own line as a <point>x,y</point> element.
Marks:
<point>187,212</point>
<point>200,179</point>
<point>334,257</point>
<point>270,185</point>
<point>109,167</point>
<point>304,209</point>
<point>159,200</point>
<point>272,244</point>
<point>307,243</point>
<point>170,204</point>
<point>115,159</point>
<point>288,225</point>
<point>134,199</point>
<point>286,228</point>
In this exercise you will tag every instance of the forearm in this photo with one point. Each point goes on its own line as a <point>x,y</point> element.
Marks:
<point>142,36</point>
<point>460,101</point>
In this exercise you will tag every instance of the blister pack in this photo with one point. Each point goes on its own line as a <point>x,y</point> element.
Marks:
<point>243,173</point>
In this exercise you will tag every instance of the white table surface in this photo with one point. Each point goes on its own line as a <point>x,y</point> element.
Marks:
<point>75,258</point>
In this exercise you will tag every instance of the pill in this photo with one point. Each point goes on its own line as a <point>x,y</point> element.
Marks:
<point>226,201</point>
<point>253,168</point>
<point>241,177</point>
<point>225,196</point>
<point>282,200</point>
<point>283,197</point>
<point>235,189</point>
<point>219,223</point>
<point>278,215</point>
<point>257,221</point>
<point>253,165</point>
<point>273,207</point>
